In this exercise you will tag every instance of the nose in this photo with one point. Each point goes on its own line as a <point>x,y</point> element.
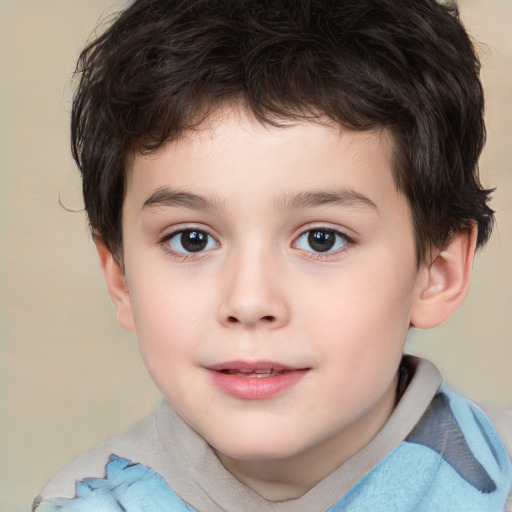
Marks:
<point>253,294</point>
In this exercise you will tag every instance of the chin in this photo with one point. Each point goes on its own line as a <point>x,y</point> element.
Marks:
<point>259,448</point>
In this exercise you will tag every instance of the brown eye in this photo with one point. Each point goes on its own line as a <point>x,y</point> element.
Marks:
<point>191,241</point>
<point>322,240</point>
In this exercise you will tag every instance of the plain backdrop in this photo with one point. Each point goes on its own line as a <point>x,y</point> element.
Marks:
<point>69,376</point>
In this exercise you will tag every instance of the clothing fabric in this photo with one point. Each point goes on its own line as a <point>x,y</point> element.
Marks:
<point>437,452</point>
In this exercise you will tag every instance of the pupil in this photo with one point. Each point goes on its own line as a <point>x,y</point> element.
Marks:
<point>194,241</point>
<point>321,241</point>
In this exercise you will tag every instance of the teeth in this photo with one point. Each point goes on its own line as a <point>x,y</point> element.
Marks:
<point>260,373</point>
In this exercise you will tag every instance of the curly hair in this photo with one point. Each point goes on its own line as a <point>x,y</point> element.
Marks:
<point>407,66</point>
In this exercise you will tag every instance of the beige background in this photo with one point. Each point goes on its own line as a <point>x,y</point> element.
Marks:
<point>69,376</point>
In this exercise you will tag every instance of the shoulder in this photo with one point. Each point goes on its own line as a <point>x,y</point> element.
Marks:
<point>502,422</point>
<point>486,421</point>
<point>495,424</point>
<point>425,375</point>
<point>127,487</point>
<point>139,442</point>
<point>473,438</point>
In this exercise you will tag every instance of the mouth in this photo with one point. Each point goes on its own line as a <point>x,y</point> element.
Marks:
<point>255,380</point>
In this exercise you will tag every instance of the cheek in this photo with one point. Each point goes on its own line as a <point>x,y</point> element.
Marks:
<point>168,319</point>
<point>363,341</point>
<point>363,301</point>
<point>363,320</point>
<point>167,341</point>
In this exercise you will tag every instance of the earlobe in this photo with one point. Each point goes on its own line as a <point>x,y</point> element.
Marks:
<point>116,284</point>
<point>445,281</point>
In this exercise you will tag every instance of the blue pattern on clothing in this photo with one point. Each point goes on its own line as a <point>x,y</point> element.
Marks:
<point>127,487</point>
<point>452,461</point>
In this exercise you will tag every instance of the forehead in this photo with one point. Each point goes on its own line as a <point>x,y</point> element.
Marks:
<point>234,157</point>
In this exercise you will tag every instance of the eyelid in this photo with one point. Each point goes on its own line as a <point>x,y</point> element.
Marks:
<point>171,231</point>
<point>327,226</point>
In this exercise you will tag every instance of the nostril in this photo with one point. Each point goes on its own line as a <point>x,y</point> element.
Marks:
<point>266,318</point>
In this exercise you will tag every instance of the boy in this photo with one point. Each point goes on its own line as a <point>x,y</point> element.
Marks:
<point>278,191</point>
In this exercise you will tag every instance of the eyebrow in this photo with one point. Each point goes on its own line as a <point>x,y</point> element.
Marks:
<point>165,196</point>
<point>344,197</point>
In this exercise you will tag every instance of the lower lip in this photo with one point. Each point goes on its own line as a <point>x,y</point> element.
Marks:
<point>256,388</point>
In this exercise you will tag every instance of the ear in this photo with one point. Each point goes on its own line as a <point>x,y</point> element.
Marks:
<point>116,284</point>
<point>445,281</point>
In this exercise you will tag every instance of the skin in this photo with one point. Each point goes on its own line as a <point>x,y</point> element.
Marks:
<point>259,290</point>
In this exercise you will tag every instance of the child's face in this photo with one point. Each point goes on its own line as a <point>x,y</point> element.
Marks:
<point>250,247</point>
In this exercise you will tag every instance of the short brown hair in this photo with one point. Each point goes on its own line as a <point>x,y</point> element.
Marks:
<point>404,65</point>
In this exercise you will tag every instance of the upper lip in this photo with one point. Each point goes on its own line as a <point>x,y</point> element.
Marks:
<point>251,366</point>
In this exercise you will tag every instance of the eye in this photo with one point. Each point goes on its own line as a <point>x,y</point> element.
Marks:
<point>322,241</point>
<point>189,241</point>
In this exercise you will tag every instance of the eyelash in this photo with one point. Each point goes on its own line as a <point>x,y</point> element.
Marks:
<point>339,237</point>
<point>166,240</point>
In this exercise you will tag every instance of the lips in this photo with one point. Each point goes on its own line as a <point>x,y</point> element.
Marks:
<point>255,380</point>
